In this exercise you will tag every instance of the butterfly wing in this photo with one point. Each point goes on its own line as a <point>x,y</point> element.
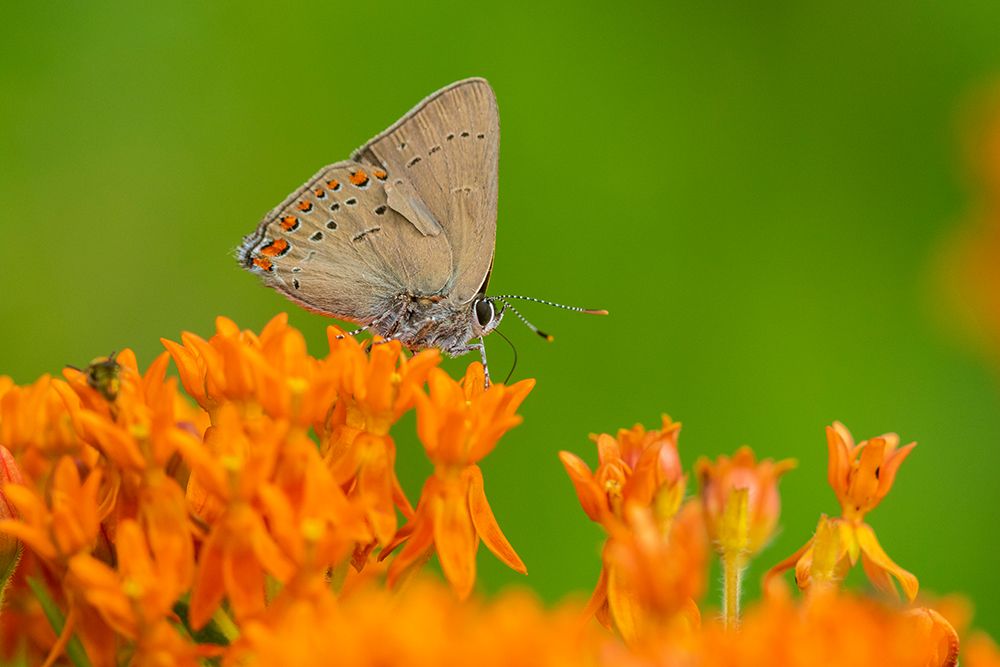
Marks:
<point>336,246</point>
<point>446,150</point>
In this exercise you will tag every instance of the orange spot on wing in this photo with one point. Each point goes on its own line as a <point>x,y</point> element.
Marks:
<point>274,248</point>
<point>333,184</point>
<point>289,223</point>
<point>359,177</point>
<point>380,174</point>
<point>320,193</point>
<point>263,263</point>
<point>305,206</point>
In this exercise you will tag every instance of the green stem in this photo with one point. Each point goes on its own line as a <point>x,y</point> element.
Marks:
<point>732,577</point>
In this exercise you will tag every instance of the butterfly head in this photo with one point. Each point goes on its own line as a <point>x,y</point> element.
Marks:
<point>485,316</point>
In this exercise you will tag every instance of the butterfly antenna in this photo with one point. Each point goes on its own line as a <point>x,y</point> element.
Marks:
<point>514,349</point>
<point>526,322</point>
<point>588,311</point>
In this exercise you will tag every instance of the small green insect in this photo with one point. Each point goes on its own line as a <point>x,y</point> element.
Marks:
<point>104,376</point>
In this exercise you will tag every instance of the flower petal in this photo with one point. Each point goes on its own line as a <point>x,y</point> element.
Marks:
<point>486,524</point>
<point>875,559</point>
<point>591,496</point>
<point>455,540</point>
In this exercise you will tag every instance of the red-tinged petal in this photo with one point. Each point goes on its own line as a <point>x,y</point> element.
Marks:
<point>592,498</point>
<point>416,550</point>
<point>455,540</point>
<point>402,535</point>
<point>486,524</point>
<point>878,559</point>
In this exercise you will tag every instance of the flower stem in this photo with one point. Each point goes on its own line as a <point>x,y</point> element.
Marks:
<point>732,576</point>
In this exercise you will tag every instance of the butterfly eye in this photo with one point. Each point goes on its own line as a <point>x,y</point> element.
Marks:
<point>484,312</point>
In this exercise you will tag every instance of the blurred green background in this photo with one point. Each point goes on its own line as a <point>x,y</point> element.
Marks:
<point>756,191</point>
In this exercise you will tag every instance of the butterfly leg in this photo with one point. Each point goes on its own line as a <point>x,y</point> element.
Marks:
<point>481,346</point>
<point>349,334</point>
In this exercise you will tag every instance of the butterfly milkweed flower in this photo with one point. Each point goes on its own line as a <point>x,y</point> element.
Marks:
<point>10,546</point>
<point>638,469</point>
<point>458,424</point>
<point>154,530</point>
<point>741,506</point>
<point>861,475</point>
<point>374,390</point>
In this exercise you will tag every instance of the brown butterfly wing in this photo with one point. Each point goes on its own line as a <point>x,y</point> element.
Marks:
<point>447,149</point>
<point>336,246</point>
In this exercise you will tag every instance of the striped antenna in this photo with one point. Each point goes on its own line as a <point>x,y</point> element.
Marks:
<point>504,297</point>
<point>526,322</point>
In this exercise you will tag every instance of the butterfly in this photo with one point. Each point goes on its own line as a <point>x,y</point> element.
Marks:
<point>400,238</point>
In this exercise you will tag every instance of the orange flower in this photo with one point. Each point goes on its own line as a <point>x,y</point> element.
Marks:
<point>37,427</point>
<point>232,465</point>
<point>10,546</point>
<point>640,468</point>
<point>309,516</point>
<point>420,626</point>
<point>271,373</point>
<point>65,525</point>
<point>861,475</point>
<point>136,596</point>
<point>652,578</point>
<point>719,485</point>
<point>458,424</point>
<point>375,390</point>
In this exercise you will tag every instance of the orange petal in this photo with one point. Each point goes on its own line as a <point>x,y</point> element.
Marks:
<point>771,577</point>
<point>626,609</point>
<point>243,579</point>
<point>208,590</point>
<point>874,558</point>
<point>887,473</point>
<point>593,500</point>
<point>599,598</point>
<point>607,449</point>
<point>455,540</point>
<point>416,551</point>
<point>486,524</point>
<point>838,464</point>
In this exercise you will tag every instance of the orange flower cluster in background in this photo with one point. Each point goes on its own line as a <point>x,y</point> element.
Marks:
<point>263,524</point>
<point>969,264</point>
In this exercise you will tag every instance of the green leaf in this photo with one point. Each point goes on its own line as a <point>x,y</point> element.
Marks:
<point>74,649</point>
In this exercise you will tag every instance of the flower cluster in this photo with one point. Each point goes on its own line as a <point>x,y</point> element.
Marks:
<point>258,520</point>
